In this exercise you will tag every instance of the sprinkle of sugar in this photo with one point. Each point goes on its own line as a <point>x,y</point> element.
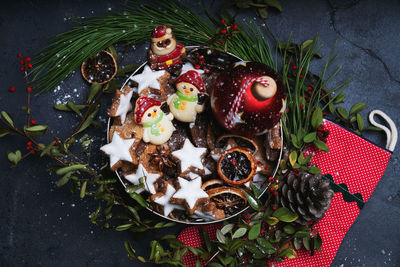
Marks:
<point>190,156</point>
<point>148,178</point>
<point>190,191</point>
<point>148,78</point>
<point>164,201</point>
<point>118,149</point>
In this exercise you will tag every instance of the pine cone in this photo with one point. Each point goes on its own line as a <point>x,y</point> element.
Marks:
<point>306,194</point>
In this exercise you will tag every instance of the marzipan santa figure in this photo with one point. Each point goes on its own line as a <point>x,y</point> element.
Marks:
<point>164,51</point>
<point>189,97</point>
<point>157,126</point>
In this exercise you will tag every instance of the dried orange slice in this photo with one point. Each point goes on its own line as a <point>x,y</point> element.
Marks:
<point>229,199</point>
<point>213,183</point>
<point>236,166</point>
<point>101,68</point>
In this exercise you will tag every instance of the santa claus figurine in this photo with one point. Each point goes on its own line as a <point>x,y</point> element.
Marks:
<point>157,126</point>
<point>189,97</point>
<point>164,51</point>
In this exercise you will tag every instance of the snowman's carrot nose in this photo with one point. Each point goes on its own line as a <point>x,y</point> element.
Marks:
<point>186,91</point>
<point>153,114</point>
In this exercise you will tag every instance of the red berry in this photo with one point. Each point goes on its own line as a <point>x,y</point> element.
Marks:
<point>301,76</point>
<point>57,143</point>
<point>275,193</point>
<point>235,27</point>
<point>287,110</point>
<point>22,68</point>
<point>277,181</point>
<point>294,67</point>
<point>29,143</point>
<point>223,21</point>
<point>201,57</point>
<point>28,59</point>
<point>12,89</point>
<point>19,55</point>
<point>309,88</point>
<point>272,189</point>
<point>28,89</point>
<point>274,207</point>
<point>223,31</point>
<point>30,66</point>
<point>28,147</point>
<point>222,41</point>
<point>207,71</point>
<point>197,66</point>
<point>33,152</point>
<point>22,62</point>
<point>271,179</point>
<point>33,122</point>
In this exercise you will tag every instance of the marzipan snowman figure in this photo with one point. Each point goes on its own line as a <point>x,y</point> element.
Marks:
<point>157,126</point>
<point>189,97</point>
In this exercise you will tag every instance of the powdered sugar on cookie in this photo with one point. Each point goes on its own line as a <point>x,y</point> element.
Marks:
<point>163,200</point>
<point>190,193</point>
<point>118,149</point>
<point>190,156</point>
<point>148,78</point>
<point>148,178</point>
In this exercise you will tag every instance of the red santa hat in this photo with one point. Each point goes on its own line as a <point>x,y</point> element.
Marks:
<point>193,78</point>
<point>161,32</point>
<point>142,105</point>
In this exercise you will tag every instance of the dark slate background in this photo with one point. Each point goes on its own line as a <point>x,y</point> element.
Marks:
<point>42,225</point>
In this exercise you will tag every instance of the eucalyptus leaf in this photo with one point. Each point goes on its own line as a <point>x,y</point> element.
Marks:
<point>288,229</point>
<point>83,189</point>
<point>360,122</point>
<point>340,98</point>
<point>288,252</point>
<point>7,117</point>
<point>254,231</point>
<point>306,243</point>
<point>94,89</point>
<point>74,167</point>
<point>275,4</point>
<point>64,107</point>
<point>271,221</point>
<point>239,232</point>
<point>301,234</point>
<point>316,118</point>
<point>321,145</point>
<point>227,228</point>
<point>309,138</point>
<point>342,112</point>
<point>285,215</point>
<point>4,132</point>
<point>122,71</point>
<point>254,202</point>
<point>357,108</point>
<point>220,236</point>
<point>74,108</point>
<point>372,128</point>
<point>37,128</point>
<point>63,180</point>
<point>293,157</point>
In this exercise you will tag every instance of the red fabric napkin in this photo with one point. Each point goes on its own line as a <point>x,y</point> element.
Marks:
<point>351,160</point>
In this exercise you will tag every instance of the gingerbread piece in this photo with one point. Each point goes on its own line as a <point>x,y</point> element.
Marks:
<point>119,149</point>
<point>121,104</point>
<point>189,194</point>
<point>163,199</point>
<point>148,178</point>
<point>190,156</point>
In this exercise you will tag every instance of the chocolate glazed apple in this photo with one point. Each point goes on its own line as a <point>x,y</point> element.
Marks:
<point>248,98</point>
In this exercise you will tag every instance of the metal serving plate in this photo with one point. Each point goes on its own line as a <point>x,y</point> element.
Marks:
<point>199,220</point>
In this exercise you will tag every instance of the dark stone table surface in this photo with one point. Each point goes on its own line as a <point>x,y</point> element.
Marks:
<point>42,225</point>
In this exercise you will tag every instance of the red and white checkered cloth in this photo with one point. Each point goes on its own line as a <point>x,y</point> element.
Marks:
<point>351,160</point>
